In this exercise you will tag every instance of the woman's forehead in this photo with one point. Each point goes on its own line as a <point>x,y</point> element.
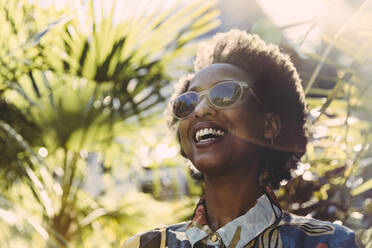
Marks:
<point>216,73</point>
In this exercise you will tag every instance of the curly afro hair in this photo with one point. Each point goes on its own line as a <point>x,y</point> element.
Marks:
<point>276,82</point>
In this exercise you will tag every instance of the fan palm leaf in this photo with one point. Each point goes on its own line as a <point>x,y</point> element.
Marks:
<point>72,95</point>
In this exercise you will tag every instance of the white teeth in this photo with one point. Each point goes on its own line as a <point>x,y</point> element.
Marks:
<point>200,133</point>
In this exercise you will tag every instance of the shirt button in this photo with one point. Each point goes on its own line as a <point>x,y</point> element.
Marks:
<point>214,237</point>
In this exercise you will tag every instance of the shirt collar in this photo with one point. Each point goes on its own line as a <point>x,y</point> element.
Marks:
<point>240,231</point>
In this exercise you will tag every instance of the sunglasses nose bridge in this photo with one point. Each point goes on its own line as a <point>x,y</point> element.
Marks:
<point>201,96</point>
<point>203,107</point>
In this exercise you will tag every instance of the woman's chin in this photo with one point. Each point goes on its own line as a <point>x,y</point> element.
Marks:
<point>210,165</point>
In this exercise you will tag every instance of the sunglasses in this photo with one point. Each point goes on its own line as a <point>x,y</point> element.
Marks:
<point>223,95</point>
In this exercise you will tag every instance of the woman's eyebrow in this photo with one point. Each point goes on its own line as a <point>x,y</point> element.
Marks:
<point>194,88</point>
<point>200,88</point>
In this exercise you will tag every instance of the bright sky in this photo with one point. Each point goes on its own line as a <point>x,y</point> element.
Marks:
<point>329,15</point>
<point>281,12</point>
<point>286,12</point>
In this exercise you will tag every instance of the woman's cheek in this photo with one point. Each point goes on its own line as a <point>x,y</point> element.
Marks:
<point>185,142</point>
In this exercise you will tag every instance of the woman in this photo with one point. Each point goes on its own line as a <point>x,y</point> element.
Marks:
<point>240,120</point>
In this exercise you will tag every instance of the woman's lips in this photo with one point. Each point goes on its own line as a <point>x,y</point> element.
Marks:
<point>206,125</point>
<point>210,141</point>
<point>207,133</point>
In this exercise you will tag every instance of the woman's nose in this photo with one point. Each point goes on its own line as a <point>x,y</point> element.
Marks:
<point>203,108</point>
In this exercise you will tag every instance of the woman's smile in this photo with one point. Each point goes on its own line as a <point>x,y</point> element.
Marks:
<point>208,133</point>
<point>215,139</point>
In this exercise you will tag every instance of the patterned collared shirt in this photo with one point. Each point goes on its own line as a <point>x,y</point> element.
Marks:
<point>264,225</point>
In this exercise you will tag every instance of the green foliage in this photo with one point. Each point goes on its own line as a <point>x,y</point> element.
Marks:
<point>76,84</point>
<point>68,89</point>
<point>333,182</point>
<point>21,49</point>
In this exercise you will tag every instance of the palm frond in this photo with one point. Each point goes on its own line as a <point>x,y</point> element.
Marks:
<point>335,39</point>
<point>36,185</point>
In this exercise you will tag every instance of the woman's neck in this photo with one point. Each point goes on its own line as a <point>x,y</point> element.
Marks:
<point>230,196</point>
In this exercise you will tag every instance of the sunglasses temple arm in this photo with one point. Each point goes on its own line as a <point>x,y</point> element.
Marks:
<point>257,98</point>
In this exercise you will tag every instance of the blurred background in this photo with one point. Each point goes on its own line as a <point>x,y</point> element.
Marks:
<point>86,159</point>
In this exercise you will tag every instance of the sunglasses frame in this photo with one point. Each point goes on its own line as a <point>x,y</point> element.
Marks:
<point>206,92</point>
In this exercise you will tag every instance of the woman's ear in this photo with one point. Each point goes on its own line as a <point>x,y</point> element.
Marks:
<point>272,125</point>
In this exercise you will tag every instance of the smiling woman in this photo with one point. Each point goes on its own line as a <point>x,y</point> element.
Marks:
<point>240,120</point>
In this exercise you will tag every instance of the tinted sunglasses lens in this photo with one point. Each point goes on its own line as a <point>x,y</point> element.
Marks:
<point>225,94</point>
<point>185,104</point>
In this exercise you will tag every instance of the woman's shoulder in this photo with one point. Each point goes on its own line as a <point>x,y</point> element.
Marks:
<point>313,226</point>
<point>303,229</point>
<point>157,237</point>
